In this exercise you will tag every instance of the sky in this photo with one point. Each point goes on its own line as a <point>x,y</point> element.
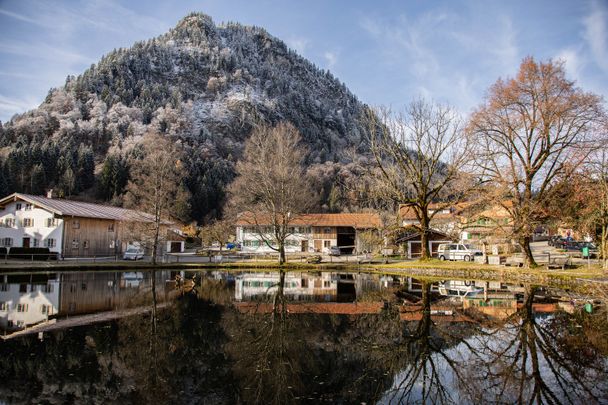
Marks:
<point>387,52</point>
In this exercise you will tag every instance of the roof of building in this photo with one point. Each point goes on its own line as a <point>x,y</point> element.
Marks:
<point>406,212</point>
<point>81,209</point>
<point>355,220</point>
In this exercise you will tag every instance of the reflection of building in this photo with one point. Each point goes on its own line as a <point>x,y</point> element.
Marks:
<point>308,232</point>
<point>27,300</point>
<point>83,293</point>
<point>298,286</point>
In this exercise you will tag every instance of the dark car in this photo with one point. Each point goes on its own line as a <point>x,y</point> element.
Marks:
<point>571,246</point>
<point>556,241</point>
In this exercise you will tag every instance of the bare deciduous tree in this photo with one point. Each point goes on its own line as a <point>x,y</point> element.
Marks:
<point>530,129</point>
<point>271,185</point>
<point>218,231</point>
<point>155,188</point>
<point>420,156</point>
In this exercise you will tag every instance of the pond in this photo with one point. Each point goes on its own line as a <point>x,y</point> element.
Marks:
<point>297,337</point>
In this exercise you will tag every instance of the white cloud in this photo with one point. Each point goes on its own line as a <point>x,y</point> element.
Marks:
<point>23,18</point>
<point>505,47</point>
<point>332,59</point>
<point>596,34</point>
<point>298,44</point>
<point>11,106</point>
<point>573,62</point>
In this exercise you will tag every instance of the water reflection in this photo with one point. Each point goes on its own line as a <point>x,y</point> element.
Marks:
<point>251,337</point>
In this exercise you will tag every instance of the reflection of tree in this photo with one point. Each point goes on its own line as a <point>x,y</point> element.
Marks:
<point>268,354</point>
<point>420,359</point>
<point>539,361</point>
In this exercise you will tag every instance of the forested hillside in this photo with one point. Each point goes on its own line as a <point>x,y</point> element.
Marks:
<point>204,86</point>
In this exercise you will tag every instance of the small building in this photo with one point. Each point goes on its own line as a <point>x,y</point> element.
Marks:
<point>411,240</point>
<point>70,228</point>
<point>307,232</point>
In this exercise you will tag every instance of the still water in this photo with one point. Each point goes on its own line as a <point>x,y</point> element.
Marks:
<point>263,337</point>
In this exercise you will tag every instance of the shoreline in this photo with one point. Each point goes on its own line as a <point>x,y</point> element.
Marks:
<point>439,270</point>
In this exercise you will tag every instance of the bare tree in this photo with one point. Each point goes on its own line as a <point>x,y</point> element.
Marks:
<point>155,188</point>
<point>420,156</point>
<point>530,129</point>
<point>218,231</point>
<point>271,184</point>
<point>598,172</point>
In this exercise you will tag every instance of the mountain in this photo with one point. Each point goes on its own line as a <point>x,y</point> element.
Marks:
<point>202,84</point>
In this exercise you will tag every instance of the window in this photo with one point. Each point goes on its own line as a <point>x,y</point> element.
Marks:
<point>35,242</point>
<point>111,227</point>
<point>18,206</point>
<point>28,222</point>
<point>9,222</point>
<point>76,224</point>
<point>22,307</point>
<point>84,286</point>
<point>326,283</point>
<point>112,244</point>
<point>5,287</point>
<point>22,288</point>
<point>304,283</point>
<point>48,288</point>
<point>326,230</point>
<point>51,222</point>
<point>50,243</point>
<point>28,207</point>
<point>4,306</point>
<point>75,243</point>
<point>85,244</point>
<point>6,241</point>
<point>326,243</point>
<point>45,309</point>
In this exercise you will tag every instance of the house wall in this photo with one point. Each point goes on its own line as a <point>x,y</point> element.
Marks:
<point>39,234</point>
<point>252,242</point>
<point>317,241</point>
<point>90,237</point>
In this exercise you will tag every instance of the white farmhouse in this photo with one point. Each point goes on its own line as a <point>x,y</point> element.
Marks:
<point>307,232</point>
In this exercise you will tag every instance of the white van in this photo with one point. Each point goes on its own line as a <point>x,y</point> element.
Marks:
<point>457,251</point>
<point>133,252</point>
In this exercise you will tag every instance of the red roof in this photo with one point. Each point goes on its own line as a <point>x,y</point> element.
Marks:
<point>358,220</point>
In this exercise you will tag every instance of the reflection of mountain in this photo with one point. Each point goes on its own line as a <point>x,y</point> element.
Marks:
<point>209,349</point>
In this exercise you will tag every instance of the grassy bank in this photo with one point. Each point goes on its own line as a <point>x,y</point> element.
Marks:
<point>429,268</point>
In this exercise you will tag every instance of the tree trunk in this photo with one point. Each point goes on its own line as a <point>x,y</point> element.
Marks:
<point>281,253</point>
<point>604,246</point>
<point>525,245</point>
<point>155,243</point>
<point>425,254</point>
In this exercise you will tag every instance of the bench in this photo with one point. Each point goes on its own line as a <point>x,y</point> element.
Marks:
<point>559,263</point>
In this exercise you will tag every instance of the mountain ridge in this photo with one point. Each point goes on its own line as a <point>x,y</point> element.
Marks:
<point>201,84</point>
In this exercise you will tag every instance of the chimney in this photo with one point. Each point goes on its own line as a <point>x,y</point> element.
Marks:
<point>49,193</point>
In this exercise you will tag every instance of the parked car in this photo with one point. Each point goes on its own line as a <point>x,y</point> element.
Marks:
<point>556,240</point>
<point>334,251</point>
<point>457,251</point>
<point>133,253</point>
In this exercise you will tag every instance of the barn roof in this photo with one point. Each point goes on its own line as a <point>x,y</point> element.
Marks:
<point>355,220</point>
<point>81,209</point>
